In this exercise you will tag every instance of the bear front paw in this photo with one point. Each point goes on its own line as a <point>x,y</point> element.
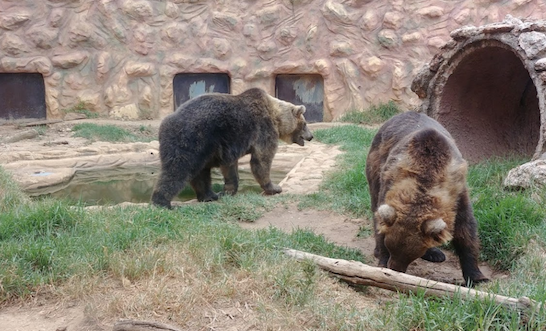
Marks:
<point>272,189</point>
<point>160,201</point>
<point>434,255</point>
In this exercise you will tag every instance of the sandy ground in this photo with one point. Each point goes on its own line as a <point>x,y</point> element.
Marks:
<point>56,149</point>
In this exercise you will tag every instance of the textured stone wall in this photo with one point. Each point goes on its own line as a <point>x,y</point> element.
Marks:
<point>119,57</point>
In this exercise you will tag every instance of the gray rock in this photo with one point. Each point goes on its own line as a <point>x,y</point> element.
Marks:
<point>533,43</point>
<point>527,175</point>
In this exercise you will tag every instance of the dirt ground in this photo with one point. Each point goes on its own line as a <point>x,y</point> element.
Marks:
<point>307,168</point>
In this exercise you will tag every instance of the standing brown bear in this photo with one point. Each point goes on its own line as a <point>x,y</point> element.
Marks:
<point>419,195</point>
<point>215,130</point>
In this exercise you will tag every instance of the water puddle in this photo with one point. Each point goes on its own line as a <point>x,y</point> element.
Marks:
<point>117,185</point>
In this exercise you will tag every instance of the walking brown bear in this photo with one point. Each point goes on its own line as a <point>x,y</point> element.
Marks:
<point>419,195</point>
<point>215,130</point>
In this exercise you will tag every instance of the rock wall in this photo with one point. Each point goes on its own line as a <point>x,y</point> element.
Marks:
<point>119,57</point>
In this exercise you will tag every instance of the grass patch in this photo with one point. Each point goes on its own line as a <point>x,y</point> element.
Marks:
<point>507,220</point>
<point>110,133</point>
<point>376,114</point>
<point>80,108</point>
<point>183,261</point>
<point>345,190</point>
<point>47,242</point>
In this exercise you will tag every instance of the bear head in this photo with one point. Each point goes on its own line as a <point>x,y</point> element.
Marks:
<point>408,238</point>
<point>418,212</point>
<point>290,121</point>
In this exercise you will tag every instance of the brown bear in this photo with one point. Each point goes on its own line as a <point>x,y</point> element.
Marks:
<point>215,130</point>
<point>419,195</point>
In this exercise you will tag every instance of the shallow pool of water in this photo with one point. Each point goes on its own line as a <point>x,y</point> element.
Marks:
<point>117,185</point>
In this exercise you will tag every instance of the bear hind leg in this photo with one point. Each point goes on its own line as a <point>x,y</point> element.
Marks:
<point>261,169</point>
<point>166,188</point>
<point>202,185</point>
<point>231,178</point>
<point>434,254</point>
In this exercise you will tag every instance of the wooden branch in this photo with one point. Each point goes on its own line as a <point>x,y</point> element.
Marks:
<point>43,122</point>
<point>132,325</point>
<point>359,273</point>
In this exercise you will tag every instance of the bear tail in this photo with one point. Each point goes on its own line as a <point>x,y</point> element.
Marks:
<point>430,150</point>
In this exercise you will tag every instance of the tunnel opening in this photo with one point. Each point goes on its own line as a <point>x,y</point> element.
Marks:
<point>489,104</point>
<point>22,96</point>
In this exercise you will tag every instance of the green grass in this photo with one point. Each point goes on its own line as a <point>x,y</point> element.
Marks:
<point>11,195</point>
<point>82,109</point>
<point>376,114</point>
<point>49,243</point>
<point>507,220</point>
<point>110,133</point>
<point>345,190</point>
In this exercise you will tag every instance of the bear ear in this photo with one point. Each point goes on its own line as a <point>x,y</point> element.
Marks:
<point>386,214</point>
<point>437,229</point>
<point>298,110</point>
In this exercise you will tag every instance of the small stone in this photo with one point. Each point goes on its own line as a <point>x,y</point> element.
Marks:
<point>138,10</point>
<point>540,64</point>
<point>224,21</point>
<point>437,42</point>
<point>538,26</point>
<point>393,20</point>
<point>14,20</point>
<point>464,33</point>
<point>509,19</point>
<point>431,12</point>
<point>12,44</point>
<point>420,83</point>
<point>497,28</point>
<point>412,37</point>
<point>221,48</point>
<point>69,60</point>
<point>527,175</point>
<point>436,61</point>
<point>387,38</point>
<point>340,49</point>
<point>533,43</point>
<point>139,69</point>
<point>372,65</point>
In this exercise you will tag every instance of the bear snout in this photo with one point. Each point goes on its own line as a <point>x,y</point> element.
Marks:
<point>307,135</point>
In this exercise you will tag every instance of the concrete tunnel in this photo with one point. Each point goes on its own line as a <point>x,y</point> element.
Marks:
<point>486,86</point>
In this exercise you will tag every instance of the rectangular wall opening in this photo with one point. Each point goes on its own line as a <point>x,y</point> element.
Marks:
<point>187,86</point>
<point>304,89</point>
<point>22,96</point>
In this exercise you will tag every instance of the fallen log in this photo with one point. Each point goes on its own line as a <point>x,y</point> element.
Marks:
<point>41,123</point>
<point>133,325</point>
<point>362,274</point>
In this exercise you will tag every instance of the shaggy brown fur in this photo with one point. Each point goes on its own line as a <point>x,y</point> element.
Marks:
<point>215,130</point>
<point>419,196</point>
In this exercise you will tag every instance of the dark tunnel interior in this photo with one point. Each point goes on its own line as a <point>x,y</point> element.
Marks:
<point>489,104</point>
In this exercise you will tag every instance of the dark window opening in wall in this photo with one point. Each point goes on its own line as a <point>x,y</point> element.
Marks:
<point>307,90</point>
<point>188,86</point>
<point>22,95</point>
